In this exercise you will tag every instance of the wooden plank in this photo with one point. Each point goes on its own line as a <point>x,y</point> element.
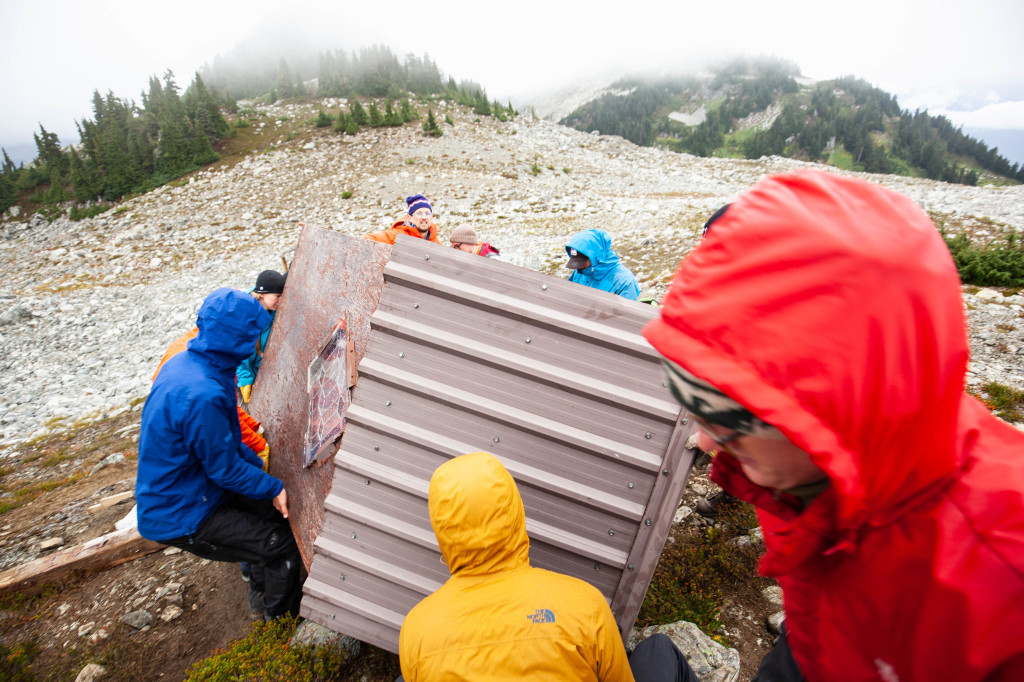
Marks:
<point>105,551</point>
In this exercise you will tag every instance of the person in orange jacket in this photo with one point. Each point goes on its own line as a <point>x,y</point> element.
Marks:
<point>251,429</point>
<point>418,222</point>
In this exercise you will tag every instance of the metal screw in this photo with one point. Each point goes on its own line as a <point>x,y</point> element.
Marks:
<point>415,305</point>
<point>647,522</point>
<point>527,339</point>
<point>497,440</point>
<point>544,287</point>
<point>631,484</point>
<point>387,403</point>
<point>332,616</point>
<point>426,258</point>
<point>597,567</point>
<point>629,566</point>
<point>376,448</point>
<point>611,532</point>
<point>401,355</point>
<point>647,435</point>
<point>341,578</point>
<point>366,481</point>
<point>664,472</point>
<point>685,420</point>
<point>353,536</point>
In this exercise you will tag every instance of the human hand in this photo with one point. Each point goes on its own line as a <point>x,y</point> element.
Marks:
<point>265,456</point>
<point>281,502</point>
<point>246,391</point>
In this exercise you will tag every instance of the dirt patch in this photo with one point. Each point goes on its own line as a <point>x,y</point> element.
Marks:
<point>80,620</point>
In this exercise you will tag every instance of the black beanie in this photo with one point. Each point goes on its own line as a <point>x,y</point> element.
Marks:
<point>269,282</point>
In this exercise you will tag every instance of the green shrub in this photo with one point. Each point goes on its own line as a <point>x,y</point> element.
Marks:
<point>242,123</point>
<point>534,169</point>
<point>998,263</point>
<point>1003,401</point>
<point>698,569</point>
<point>265,654</point>
<point>16,661</point>
<point>347,194</point>
<point>87,212</point>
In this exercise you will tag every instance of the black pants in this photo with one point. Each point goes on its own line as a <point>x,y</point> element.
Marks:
<point>242,529</point>
<point>657,659</point>
<point>778,664</point>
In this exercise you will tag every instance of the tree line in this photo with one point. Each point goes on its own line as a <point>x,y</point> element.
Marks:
<point>125,148</point>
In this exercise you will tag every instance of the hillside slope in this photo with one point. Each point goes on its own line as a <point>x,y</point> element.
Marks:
<point>87,308</point>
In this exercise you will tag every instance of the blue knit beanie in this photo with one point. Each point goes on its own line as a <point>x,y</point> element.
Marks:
<point>416,202</point>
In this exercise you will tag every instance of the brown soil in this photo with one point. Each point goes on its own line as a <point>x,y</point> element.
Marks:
<point>79,619</point>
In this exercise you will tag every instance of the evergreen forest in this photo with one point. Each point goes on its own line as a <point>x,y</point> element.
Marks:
<point>844,122</point>
<point>127,148</point>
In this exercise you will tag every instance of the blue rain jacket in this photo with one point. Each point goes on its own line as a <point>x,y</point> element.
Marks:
<point>605,272</point>
<point>190,445</point>
<point>250,367</point>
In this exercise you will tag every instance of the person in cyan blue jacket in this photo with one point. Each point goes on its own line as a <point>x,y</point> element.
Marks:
<point>597,265</point>
<point>197,486</point>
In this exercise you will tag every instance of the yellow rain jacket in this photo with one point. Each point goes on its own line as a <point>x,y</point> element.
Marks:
<point>497,618</point>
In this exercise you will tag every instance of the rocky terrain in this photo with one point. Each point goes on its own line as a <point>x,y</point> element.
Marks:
<point>87,308</point>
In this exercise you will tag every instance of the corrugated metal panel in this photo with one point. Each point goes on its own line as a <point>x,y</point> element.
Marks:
<point>470,354</point>
<point>331,275</point>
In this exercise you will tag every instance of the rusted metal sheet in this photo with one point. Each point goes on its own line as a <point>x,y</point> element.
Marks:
<point>555,379</point>
<point>332,276</point>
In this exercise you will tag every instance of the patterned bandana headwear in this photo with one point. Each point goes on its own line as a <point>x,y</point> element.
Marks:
<point>703,400</point>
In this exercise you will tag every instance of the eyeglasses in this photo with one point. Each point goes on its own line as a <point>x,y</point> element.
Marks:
<point>712,431</point>
<point>422,213</point>
<point>455,246</point>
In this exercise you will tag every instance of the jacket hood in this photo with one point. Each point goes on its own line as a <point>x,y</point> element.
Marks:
<point>831,308</point>
<point>477,515</point>
<point>229,323</point>
<point>411,230</point>
<point>597,246</point>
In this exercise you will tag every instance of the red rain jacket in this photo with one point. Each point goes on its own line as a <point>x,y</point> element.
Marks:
<point>830,308</point>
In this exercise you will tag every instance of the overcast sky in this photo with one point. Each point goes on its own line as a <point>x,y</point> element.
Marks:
<point>959,59</point>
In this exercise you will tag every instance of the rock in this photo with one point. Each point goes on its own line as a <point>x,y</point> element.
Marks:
<point>311,634</point>
<point>138,619</point>
<point>710,661</point>
<point>86,629</point>
<point>775,622</point>
<point>50,543</point>
<point>170,613</point>
<point>91,672</point>
<point>681,514</point>
<point>989,294</point>
<point>773,595</point>
<point>109,460</point>
<point>172,550</point>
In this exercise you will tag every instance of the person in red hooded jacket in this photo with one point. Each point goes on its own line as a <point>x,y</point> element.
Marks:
<point>817,336</point>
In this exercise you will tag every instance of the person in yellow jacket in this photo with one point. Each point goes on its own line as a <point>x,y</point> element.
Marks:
<point>497,617</point>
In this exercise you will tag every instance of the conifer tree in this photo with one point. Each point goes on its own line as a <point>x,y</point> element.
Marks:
<point>8,191</point>
<point>358,113</point>
<point>285,86</point>
<point>351,128</point>
<point>449,121</point>
<point>482,107</point>
<point>8,165</point>
<point>204,111</point>
<point>374,113</point>
<point>340,121</point>
<point>323,119</point>
<point>430,127</point>
<point>391,117</point>
<point>408,111</point>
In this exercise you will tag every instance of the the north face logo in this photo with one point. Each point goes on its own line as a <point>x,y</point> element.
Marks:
<point>542,616</point>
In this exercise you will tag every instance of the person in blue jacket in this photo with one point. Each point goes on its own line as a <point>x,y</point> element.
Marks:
<point>197,486</point>
<point>268,290</point>
<point>597,265</point>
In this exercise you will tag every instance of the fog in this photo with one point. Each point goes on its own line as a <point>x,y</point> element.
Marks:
<point>937,55</point>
